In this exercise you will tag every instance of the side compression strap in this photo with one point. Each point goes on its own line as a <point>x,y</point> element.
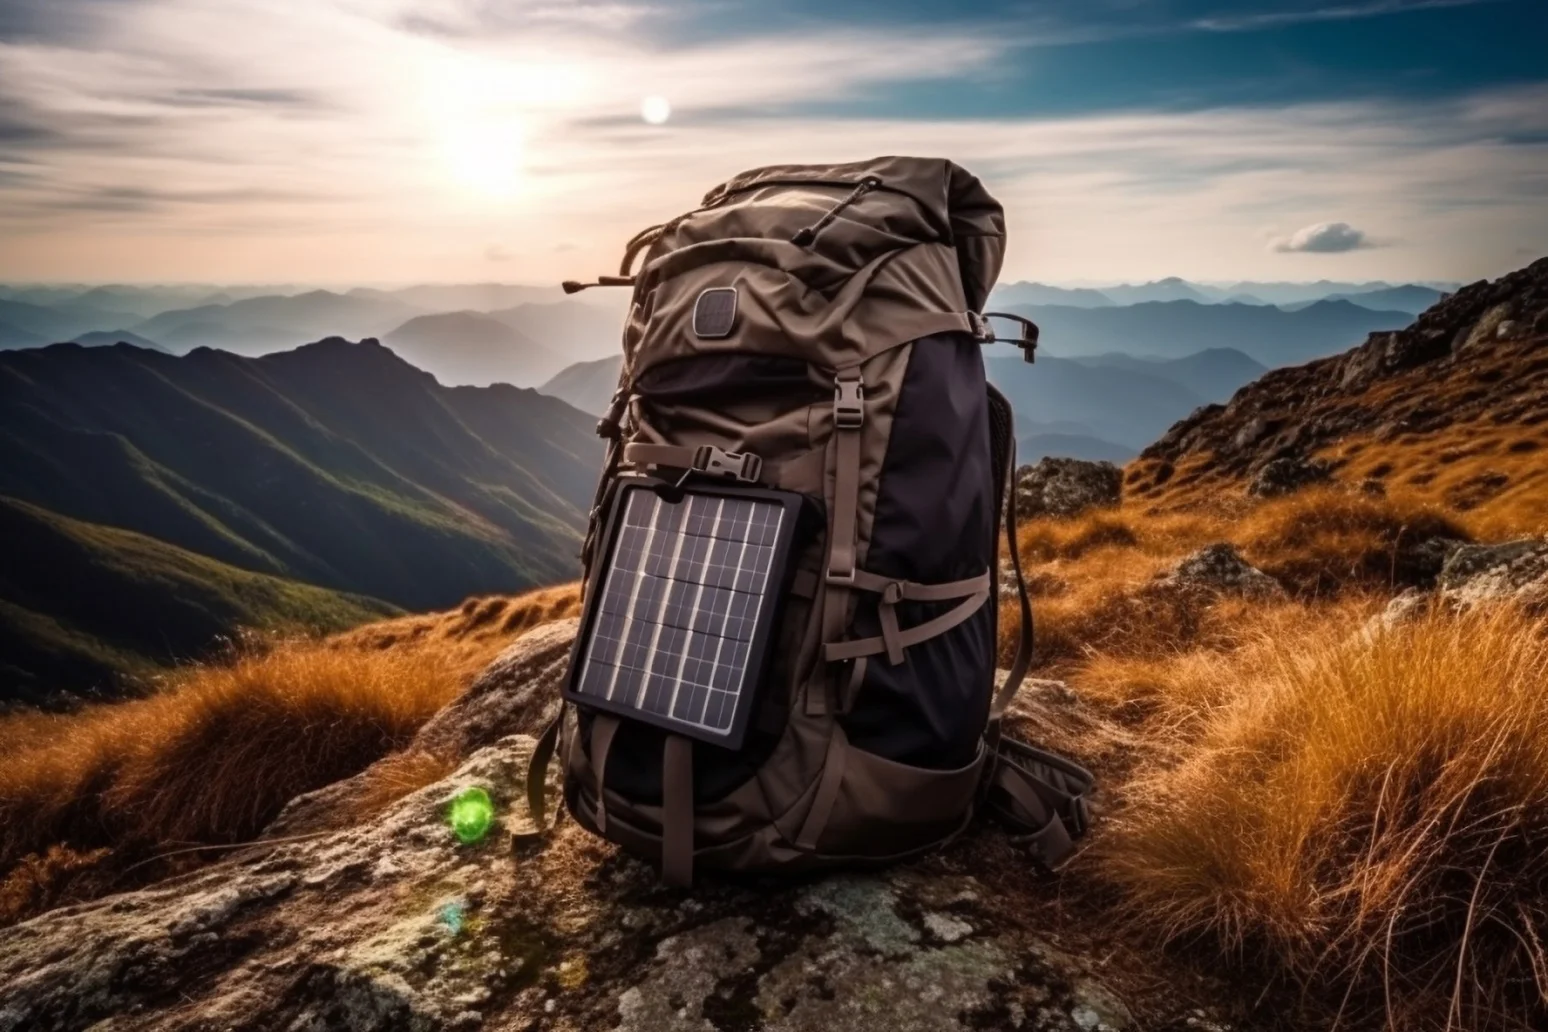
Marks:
<point>893,640</point>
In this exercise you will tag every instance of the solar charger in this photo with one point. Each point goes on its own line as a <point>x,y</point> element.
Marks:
<point>677,622</point>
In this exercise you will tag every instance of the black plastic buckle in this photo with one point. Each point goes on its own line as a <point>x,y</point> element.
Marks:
<point>717,462</point>
<point>848,404</point>
<point>612,421</point>
<point>1080,817</point>
<point>982,331</point>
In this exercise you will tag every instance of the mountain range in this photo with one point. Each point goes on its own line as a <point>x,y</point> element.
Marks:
<point>307,486</point>
<point>1412,298</point>
<point>1105,406</point>
<point>1174,329</point>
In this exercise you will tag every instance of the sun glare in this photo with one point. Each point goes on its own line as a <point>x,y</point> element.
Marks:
<point>485,155</point>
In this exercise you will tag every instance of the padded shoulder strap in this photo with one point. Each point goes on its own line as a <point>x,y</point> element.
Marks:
<point>1041,796</point>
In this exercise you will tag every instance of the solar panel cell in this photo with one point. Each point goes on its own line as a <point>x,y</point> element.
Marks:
<point>677,624</point>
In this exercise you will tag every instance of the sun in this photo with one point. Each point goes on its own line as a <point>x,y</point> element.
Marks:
<point>484,155</point>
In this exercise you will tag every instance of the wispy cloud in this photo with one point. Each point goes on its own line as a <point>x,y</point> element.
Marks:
<point>1265,19</point>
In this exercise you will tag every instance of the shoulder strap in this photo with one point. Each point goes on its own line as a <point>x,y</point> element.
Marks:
<point>1041,796</point>
<point>1022,662</point>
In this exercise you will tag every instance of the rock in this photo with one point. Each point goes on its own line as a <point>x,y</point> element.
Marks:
<point>391,923</point>
<point>1283,476</point>
<point>1423,562</point>
<point>1066,487</point>
<point>1487,328</point>
<point>1404,607</point>
<point>1513,571</point>
<point>1220,568</point>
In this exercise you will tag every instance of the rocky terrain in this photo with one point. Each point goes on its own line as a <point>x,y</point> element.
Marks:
<point>395,924</point>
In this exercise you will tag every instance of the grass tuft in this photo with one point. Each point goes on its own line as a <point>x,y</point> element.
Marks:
<point>1367,814</point>
<point>214,756</point>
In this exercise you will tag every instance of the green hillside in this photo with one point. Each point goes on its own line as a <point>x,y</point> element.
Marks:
<point>85,607</point>
<point>336,464</point>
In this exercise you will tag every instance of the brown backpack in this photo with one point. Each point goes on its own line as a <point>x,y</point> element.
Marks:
<point>815,330</point>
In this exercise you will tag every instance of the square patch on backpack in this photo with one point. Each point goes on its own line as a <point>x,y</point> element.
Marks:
<point>714,313</point>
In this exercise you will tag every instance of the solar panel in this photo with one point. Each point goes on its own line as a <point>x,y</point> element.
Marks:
<point>677,624</point>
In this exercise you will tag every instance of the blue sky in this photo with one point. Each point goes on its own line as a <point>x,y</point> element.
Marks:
<point>392,140</point>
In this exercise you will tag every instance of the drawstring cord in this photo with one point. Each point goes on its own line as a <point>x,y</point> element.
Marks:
<point>806,237</point>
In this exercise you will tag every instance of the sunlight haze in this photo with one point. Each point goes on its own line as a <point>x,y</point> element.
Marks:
<point>389,141</point>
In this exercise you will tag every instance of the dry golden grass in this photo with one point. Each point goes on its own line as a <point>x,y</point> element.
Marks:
<point>1093,577</point>
<point>468,637</point>
<point>1496,473</point>
<point>1367,814</point>
<point>215,754</point>
<point>1329,540</point>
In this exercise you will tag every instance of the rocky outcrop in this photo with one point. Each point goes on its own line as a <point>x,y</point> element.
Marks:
<point>1220,569</point>
<point>1475,575</point>
<point>1476,354</point>
<point>1515,571</point>
<point>394,922</point>
<point>1287,474</point>
<point>1066,487</point>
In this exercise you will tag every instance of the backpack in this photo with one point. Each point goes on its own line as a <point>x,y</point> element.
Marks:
<point>812,332</point>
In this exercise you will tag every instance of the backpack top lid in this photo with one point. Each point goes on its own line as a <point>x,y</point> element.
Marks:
<point>832,263</point>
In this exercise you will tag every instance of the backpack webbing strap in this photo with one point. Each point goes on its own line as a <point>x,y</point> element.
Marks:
<point>603,727</point>
<point>892,641</point>
<point>677,811</point>
<point>827,790</point>
<point>848,421</point>
<point>805,468</point>
<point>1042,796</point>
<point>1022,662</point>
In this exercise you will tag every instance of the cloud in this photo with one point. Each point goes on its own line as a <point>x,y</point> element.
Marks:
<point>496,253</point>
<point>1323,238</point>
<point>198,139</point>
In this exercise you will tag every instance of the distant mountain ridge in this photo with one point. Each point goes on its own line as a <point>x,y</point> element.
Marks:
<point>1173,329</point>
<point>336,464</point>
<point>472,349</point>
<point>258,324</point>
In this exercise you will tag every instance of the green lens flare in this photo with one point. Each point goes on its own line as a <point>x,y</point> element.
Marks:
<point>471,814</point>
<point>452,916</point>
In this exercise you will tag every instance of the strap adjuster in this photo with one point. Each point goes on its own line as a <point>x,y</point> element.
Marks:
<point>980,327</point>
<point>849,404</point>
<point>1080,816</point>
<point>612,421</point>
<point>717,462</point>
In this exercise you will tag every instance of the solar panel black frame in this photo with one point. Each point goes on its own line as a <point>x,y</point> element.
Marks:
<point>756,667</point>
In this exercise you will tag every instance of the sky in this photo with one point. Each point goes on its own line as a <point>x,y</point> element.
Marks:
<point>394,141</point>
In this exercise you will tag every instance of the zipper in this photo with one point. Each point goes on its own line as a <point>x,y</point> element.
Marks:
<point>807,236</point>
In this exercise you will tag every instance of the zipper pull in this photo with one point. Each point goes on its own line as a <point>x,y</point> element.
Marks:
<point>807,236</point>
